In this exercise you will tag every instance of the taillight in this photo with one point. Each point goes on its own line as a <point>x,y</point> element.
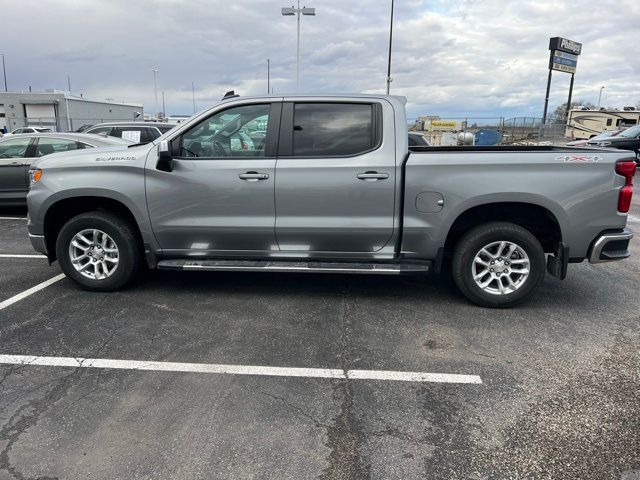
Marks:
<point>627,169</point>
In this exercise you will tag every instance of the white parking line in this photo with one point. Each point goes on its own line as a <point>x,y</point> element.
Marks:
<point>31,291</point>
<point>13,218</point>
<point>239,369</point>
<point>633,218</point>
<point>16,255</point>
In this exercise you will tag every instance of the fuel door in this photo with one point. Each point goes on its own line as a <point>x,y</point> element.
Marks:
<point>429,202</point>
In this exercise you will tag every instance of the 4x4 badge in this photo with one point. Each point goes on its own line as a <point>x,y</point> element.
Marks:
<point>579,158</point>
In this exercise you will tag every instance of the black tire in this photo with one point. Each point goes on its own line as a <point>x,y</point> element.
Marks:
<point>130,255</point>
<point>474,240</point>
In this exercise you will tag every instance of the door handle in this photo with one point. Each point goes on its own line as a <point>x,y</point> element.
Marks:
<point>253,176</point>
<point>372,176</point>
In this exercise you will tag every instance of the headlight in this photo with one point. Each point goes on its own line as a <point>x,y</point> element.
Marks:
<point>35,175</point>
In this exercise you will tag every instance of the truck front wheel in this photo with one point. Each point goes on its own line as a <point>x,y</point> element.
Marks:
<point>99,251</point>
<point>498,264</point>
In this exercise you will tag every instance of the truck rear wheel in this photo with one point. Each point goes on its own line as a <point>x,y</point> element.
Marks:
<point>99,251</point>
<point>498,264</point>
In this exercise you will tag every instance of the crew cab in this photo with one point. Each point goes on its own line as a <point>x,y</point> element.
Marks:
<point>333,187</point>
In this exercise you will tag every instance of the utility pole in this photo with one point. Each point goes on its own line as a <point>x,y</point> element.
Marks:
<point>389,79</point>
<point>163,112</point>
<point>69,82</point>
<point>193,96</point>
<point>155,85</point>
<point>268,76</point>
<point>4,71</point>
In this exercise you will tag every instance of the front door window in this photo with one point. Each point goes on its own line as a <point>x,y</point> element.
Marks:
<point>228,134</point>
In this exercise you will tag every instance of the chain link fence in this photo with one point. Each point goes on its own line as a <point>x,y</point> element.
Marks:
<point>491,130</point>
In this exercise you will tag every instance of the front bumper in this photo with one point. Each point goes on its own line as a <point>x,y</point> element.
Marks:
<point>610,246</point>
<point>38,243</point>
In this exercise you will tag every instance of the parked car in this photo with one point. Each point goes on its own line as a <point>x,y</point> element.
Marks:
<point>417,140</point>
<point>23,130</point>
<point>596,138</point>
<point>84,128</point>
<point>334,188</point>
<point>137,132</point>
<point>628,139</point>
<point>17,153</point>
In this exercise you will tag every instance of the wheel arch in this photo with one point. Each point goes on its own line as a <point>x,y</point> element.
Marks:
<point>536,218</point>
<point>64,209</point>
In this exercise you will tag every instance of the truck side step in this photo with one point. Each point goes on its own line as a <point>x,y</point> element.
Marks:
<point>395,268</point>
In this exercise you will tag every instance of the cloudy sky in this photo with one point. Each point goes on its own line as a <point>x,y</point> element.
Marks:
<point>454,58</point>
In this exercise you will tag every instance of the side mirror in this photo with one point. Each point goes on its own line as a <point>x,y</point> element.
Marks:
<point>165,158</point>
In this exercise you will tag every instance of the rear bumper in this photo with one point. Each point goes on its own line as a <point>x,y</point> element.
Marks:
<point>38,243</point>
<point>610,246</point>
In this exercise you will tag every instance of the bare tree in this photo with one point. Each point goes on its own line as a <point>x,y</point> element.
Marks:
<point>560,113</point>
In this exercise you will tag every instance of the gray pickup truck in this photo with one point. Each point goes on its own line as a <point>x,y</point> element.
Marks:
<point>329,184</point>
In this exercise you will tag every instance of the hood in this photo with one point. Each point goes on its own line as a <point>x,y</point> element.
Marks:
<point>611,141</point>
<point>89,155</point>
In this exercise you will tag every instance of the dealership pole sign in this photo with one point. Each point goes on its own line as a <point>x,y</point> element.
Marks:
<point>563,57</point>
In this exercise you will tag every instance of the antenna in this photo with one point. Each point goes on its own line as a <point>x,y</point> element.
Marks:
<point>230,94</point>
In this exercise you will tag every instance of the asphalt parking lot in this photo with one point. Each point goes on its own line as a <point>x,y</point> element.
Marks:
<point>546,390</point>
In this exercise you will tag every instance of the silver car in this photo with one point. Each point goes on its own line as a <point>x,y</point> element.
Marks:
<point>19,151</point>
<point>137,132</point>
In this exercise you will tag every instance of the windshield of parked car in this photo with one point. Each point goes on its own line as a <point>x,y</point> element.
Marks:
<point>631,132</point>
<point>607,134</point>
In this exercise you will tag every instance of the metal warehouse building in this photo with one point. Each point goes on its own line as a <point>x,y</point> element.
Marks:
<point>60,110</point>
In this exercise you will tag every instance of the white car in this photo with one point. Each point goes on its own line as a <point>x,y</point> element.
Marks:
<point>21,130</point>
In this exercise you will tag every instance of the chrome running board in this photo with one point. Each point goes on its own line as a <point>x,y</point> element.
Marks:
<point>395,268</point>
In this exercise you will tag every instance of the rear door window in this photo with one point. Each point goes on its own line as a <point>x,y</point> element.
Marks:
<point>333,129</point>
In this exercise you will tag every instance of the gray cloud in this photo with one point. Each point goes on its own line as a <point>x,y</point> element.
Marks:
<point>454,58</point>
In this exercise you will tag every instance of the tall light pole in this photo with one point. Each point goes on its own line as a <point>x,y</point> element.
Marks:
<point>290,11</point>
<point>268,76</point>
<point>193,97</point>
<point>4,71</point>
<point>600,97</point>
<point>389,79</point>
<point>155,85</point>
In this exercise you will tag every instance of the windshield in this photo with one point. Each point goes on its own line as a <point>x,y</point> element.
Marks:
<point>631,132</point>
<point>607,134</point>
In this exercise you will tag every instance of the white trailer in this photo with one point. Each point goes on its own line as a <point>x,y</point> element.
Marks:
<point>584,124</point>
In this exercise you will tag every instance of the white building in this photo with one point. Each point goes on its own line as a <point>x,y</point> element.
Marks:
<point>60,111</point>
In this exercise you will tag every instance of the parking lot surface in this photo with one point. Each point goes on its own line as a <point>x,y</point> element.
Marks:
<point>557,396</point>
